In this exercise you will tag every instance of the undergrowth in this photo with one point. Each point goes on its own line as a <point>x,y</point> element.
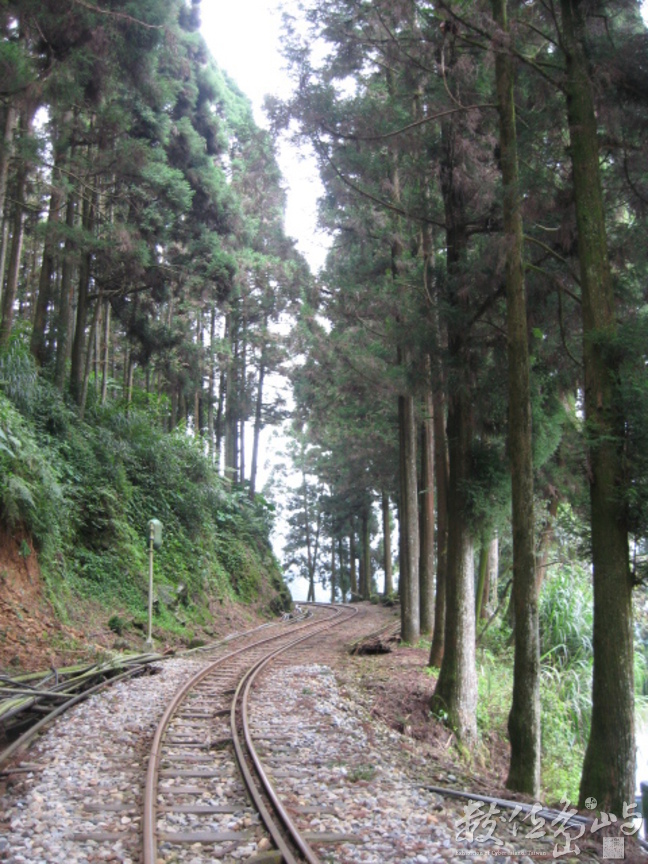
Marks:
<point>85,490</point>
<point>566,622</point>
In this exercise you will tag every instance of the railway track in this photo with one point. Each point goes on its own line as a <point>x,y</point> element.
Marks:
<point>208,797</point>
<point>206,787</point>
<point>132,668</point>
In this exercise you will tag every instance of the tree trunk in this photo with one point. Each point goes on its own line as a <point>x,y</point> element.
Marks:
<point>493,572</point>
<point>130,366</point>
<point>88,359</point>
<point>609,767</point>
<point>332,569</point>
<point>311,554</point>
<point>352,562</point>
<point>174,407</point>
<point>365,573</point>
<point>441,478</point>
<point>210,389</point>
<point>78,345</point>
<point>231,414</point>
<point>37,343</point>
<point>4,242</point>
<point>456,689</point>
<point>482,578</point>
<point>387,550</point>
<point>96,364</point>
<point>257,424</point>
<point>409,533</point>
<point>524,718</point>
<point>66,296</point>
<point>241,398</point>
<point>10,120</point>
<point>106,354</point>
<point>9,296</point>
<point>426,515</point>
<point>546,540</point>
<point>199,428</point>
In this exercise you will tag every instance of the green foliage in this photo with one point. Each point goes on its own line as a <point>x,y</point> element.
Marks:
<point>30,488</point>
<point>565,705</point>
<point>566,623</point>
<point>566,615</point>
<point>628,354</point>
<point>86,490</point>
<point>18,373</point>
<point>116,624</point>
<point>495,687</point>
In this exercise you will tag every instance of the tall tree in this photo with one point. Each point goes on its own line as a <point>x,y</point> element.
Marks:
<point>524,718</point>
<point>609,768</point>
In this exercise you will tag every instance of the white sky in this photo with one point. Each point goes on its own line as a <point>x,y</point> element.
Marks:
<point>244,37</point>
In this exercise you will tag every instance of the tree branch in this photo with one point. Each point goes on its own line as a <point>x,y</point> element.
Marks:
<point>382,203</point>
<point>554,254</point>
<point>113,14</point>
<point>429,119</point>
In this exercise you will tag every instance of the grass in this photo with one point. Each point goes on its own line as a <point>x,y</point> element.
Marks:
<point>361,773</point>
<point>564,716</point>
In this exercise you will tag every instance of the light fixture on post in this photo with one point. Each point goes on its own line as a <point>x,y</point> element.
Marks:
<point>155,542</point>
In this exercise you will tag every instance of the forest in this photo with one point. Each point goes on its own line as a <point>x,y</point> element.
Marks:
<point>475,355</point>
<point>469,366</point>
<point>144,269</point>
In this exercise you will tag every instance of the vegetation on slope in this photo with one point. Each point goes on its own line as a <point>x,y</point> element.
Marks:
<point>85,490</point>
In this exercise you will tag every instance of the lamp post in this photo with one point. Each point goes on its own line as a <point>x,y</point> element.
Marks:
<point>155,542</point>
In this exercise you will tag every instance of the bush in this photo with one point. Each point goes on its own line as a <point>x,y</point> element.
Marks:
<point>566,614</point>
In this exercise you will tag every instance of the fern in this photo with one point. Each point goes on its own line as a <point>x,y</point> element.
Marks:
<point>17,501</point>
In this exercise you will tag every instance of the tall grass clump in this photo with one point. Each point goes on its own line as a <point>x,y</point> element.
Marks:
<point>566,625</point>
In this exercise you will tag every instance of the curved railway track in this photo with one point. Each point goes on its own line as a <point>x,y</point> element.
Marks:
<point>132,670</point>
<point>206,787</point>
<point>208,796</point>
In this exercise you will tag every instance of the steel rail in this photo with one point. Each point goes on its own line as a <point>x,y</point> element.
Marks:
<point>24,740</point>
<point>545,813</point>
<point>149,830</point>
<point>245,686</point>
<point>245,633</point>
<point>26,737</point>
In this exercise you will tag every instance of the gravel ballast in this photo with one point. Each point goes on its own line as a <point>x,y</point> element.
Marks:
<point>356,792</point>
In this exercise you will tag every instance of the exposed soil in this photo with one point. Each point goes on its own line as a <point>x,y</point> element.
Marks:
<point>33,638</point>
<point>398,688</point>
